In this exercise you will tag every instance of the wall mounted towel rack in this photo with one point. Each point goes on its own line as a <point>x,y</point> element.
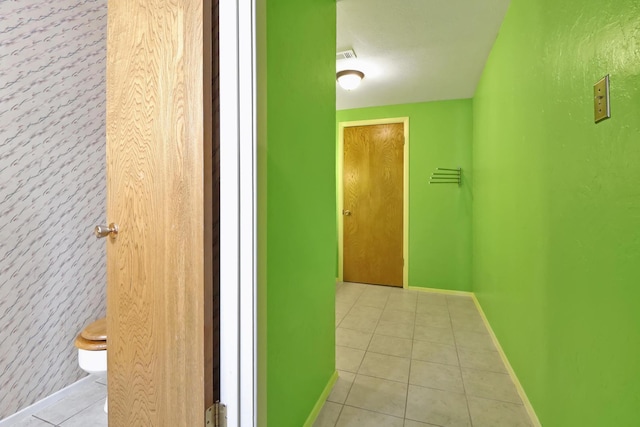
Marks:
<point>446,176</point>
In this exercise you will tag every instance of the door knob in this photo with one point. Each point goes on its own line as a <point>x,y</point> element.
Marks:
<point>103,230</point>
<point>346,213</point>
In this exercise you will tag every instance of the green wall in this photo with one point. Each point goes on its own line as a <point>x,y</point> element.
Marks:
<point>439,215</point>
<point>296,265</point>
<point>556,221</point>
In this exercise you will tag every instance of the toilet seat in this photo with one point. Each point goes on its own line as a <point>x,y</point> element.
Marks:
<point>96,331</point>
<point>92,350</point>
<point>93,337</point>
<point>89,345</point>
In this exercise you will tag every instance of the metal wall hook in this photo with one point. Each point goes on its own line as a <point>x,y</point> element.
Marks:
<point>452,176</point>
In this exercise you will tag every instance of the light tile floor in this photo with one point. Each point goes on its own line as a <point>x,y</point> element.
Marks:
<point>83,407</point>
<point>404,358</point>
<point>415,359</point>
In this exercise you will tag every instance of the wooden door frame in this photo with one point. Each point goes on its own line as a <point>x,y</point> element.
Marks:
<point>405,189</point>
<point>238,295</point>
<point>238,210</point>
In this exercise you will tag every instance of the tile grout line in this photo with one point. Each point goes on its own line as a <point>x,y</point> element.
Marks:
<point>362,361</point>
<point>84,408</point>
<point>458,312</point>
<point>372,334</point>
<point>480,350</point>
<point>339,413</point>
<point>337,326</point>
<point>350,308</point>
<point>375,327</point>
<point>365,353</point>
<point>376,412</point>
<point>464,388</point>
<point>45,421</point>
<point>413,333</point>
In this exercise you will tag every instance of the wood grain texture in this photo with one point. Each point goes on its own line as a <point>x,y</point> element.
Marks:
<point>373,193</point>
<point>95,331</point>
<point>159,268</point>
<point>91,345</point>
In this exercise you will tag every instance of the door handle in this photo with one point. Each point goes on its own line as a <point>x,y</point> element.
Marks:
<point>346,213</point>
<point>103,231</point>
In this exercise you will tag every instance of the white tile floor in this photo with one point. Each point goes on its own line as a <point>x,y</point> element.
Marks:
<point>83,407</point>
<point>404,358</point>
<point>415,359</point>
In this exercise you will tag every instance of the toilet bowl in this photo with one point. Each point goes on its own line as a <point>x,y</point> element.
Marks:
<point>92,349</point>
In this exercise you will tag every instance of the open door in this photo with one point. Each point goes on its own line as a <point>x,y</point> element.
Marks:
<point>160,264</point>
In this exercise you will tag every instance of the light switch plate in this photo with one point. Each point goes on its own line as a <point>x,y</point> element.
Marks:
<point>601,107</point>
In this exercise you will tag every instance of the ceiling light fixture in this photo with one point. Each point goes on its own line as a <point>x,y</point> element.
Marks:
<point>349,79</point>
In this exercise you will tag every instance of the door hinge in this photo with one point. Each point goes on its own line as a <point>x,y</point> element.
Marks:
<point>216,415</point>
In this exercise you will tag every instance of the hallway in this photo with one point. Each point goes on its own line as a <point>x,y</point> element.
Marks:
<point>414,359</point>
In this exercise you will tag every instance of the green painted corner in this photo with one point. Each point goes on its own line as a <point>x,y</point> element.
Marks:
<point>297,215</point>
<point>556,223</point>
<point>439,215</point>
<point>261,81</point>
<point>545,229</point>
<point>313,416</point>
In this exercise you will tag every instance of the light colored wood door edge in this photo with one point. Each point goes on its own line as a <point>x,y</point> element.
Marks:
<point>179,291</point>
<point>523,395</point>
<point>321,400</point>
<point>405,189</point>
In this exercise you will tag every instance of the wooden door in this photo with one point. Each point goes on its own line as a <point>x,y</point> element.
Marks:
<point>373,204</point>
<point>159,193</point>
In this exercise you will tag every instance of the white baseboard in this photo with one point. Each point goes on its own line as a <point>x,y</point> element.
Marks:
<point>41,404</point>
<point>523,395</point>
<point>440,291</point>
<point>321,401</point>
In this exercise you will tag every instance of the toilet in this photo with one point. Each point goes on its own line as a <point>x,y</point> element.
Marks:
<point>92,349</point>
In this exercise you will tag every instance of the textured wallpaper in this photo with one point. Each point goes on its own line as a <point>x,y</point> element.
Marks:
<point>52,191</point>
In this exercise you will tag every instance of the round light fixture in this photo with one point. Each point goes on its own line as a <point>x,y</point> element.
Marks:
<point>349,79</point>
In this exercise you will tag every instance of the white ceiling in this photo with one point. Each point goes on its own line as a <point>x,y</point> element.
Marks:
<point>415,50</point>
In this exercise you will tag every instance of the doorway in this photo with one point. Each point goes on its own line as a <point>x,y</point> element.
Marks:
<point>372,192</point>
<point>207,187</point>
